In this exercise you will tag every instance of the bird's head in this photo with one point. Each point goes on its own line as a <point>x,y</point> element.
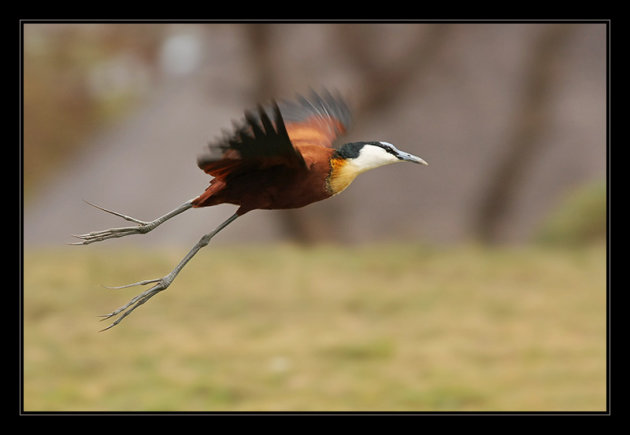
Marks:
<point>355,158</point>
<point>370,155</point>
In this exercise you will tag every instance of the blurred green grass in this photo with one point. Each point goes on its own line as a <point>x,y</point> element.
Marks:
<point>579,218</point>
<point>375,327</point>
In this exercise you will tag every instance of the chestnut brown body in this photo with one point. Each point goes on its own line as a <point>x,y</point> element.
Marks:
<point>274,187</point>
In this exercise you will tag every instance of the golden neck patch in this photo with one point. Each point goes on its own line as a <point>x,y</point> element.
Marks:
<point>342,173</point>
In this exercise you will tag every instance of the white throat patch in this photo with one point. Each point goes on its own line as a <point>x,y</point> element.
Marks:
<point>372,156</point>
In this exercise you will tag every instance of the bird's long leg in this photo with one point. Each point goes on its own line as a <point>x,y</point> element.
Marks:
<point>164,282</point>
<point>142,227</point>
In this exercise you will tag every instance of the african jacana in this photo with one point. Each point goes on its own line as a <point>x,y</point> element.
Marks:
<point>263,164</point>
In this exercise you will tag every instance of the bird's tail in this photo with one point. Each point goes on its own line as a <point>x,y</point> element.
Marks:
<point>211,196</point>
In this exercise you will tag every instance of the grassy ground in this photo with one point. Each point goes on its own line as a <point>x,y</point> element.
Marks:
<point>328,328</point>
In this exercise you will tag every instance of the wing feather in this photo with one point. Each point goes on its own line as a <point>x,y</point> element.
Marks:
<point>319,119</point>
<point>259,141</point>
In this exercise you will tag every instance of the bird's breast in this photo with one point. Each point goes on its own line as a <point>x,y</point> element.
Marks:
<point>342,173</point>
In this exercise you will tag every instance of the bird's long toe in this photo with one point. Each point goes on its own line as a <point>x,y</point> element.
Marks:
<point>98,236</point>
<point>135,302</point>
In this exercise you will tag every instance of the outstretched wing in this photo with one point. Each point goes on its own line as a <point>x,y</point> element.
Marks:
<point>316,120</point>
<point>260,142</point>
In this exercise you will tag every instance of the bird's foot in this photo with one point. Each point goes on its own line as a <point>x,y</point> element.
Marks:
<point>97,236</point>
<point>129,307</point>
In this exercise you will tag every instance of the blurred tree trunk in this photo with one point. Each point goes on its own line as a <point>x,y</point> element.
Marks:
<point>524,142</point>
<point>258,37</point>
<point>381,82</point>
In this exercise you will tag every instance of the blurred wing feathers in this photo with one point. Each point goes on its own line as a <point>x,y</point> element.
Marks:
<point>316,120</point>
<point>258,142</point>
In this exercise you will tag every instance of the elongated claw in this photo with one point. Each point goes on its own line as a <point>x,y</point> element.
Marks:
<point>115,213</point>
<point>97,236</point>
<point>142,227</point>
<point>160,283</point>
<point>135,302</point>
<point>145,282</point>
<point>111,233</point>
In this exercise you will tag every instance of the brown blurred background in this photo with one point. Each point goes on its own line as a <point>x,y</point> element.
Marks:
<point>510,117</point>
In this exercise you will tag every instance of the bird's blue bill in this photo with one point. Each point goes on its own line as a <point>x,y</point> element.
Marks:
<point>411,158</point>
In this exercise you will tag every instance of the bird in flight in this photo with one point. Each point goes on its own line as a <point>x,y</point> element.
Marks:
<point>280,156</point>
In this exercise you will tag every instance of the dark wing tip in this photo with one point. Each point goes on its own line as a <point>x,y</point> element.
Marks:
<point>260,135</point>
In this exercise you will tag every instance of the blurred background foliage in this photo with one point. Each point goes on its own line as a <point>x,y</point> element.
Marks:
<point>579,219</point>
<point>79,79</point>
<point>477,283</point>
